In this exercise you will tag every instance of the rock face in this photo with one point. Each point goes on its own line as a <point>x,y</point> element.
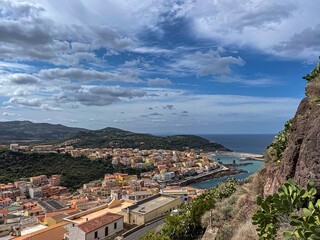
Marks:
<point>301,158</point>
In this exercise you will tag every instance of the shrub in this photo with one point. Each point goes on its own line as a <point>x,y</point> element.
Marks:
<point>284,206</point>
<point>279,144</point>
<point>246,231</point>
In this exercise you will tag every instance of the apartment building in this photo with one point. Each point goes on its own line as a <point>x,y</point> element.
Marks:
<point>5,203</point>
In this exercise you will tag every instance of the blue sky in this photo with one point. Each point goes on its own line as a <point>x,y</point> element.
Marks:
<point>157,66</point>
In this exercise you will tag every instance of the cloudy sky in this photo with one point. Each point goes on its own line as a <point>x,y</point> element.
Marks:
<point>198,66</point>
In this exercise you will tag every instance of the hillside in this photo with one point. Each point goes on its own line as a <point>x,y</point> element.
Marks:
<point>112,137</point>
<point>25,131</point>
<point>74,171</point>
<point>29,131</point>
<point>299,143</point>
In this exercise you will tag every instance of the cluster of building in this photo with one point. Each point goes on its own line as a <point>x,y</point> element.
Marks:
<point>129,187</point>
<point>162,160</point>
<point>167,166</point>
<point>118,206</point>
<point>125,219</point>
<point>38,148</point>
<point>35,187</point>
<point>22,202</point>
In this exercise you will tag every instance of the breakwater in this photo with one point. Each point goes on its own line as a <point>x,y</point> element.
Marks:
<point>211,175</point>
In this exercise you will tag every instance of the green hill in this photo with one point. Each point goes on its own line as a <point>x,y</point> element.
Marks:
<point>74,171</point>
<point>117,138</point>
<point>29,131</point>
<point>42,133</point>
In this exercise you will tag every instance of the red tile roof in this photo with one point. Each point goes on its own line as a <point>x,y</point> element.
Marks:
<point>98,222</point>
<point>4,211</point>
<point>55,232</point>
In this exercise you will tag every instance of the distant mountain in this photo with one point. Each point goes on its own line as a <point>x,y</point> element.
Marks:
<point>117,138</point>
<point>29,131</point>
<point>107,137</point>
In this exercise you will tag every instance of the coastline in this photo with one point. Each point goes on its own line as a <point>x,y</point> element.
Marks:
<point>227,168</point>
<point>246,156</point>
<point>211,175</point>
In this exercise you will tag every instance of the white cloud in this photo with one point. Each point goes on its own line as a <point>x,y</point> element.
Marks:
<point>21,79</point>
<point>88,75</point>
<point>254,81</point>
<point>46,107</point>
<point>206,63</point>
<point>8,114</point>
<point>84,45</point>
<point>84,26</point>
<point>159,82</point>
<point>106,95</point>
<point>304,44</point>
<point>256,24</point>
<point>217,114</point>
<point>35,102</point>
<point>13,66</point>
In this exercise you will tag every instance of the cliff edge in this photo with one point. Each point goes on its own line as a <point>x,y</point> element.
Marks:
<point>300,158</point>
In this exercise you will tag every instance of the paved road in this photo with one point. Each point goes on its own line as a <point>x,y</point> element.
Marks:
<point>142,231</point>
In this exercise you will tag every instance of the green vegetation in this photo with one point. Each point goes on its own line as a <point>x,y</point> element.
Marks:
<point>25,130</point>
<point>277,147</point>
<point>313,84</point>
<point>44,133</point>
<point>231,217</point>
<point>294,207</point>
<point>75,171</point>
<point>117,138</point>
<point>186,224</point>
<point>314,75</point>
<point>153,235</point>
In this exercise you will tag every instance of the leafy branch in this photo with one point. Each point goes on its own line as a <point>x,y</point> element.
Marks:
<point>286,204</point>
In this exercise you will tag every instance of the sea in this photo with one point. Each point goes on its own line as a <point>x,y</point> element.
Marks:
<point>247,143</point>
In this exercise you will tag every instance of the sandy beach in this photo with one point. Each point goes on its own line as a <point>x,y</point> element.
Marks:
<point>245,156</point>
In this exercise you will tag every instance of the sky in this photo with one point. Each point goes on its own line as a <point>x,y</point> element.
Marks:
<point>151,66</point>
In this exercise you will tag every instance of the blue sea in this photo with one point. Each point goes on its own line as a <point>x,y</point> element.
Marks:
<point>249,143</point>
<point>239,143</point>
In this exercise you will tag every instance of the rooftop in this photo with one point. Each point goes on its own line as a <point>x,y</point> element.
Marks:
<point>94,214</point>
<point>152,203</point>
<point>98,222</point>
<point>140,193</point>
<point>55,232</point>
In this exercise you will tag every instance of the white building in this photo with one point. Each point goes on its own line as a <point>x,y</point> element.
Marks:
<point>24,187</point>
<point>97,228</point>
<point>35,192</point>
<point>14,147</point>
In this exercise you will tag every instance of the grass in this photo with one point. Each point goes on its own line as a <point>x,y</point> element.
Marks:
<point>246,231</point>
<point>233,215</point>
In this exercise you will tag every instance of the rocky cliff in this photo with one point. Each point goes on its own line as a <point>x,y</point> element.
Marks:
<point>301,157</point>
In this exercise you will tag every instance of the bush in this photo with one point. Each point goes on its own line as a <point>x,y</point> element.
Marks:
<point>285,206</point>
<point>279,144</point>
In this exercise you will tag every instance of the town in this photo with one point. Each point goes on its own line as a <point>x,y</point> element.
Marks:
<point>119,206</point>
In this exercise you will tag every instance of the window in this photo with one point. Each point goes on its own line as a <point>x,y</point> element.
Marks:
<point>115,225</point>
<point>96,234</point>
<point>106,231</point>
